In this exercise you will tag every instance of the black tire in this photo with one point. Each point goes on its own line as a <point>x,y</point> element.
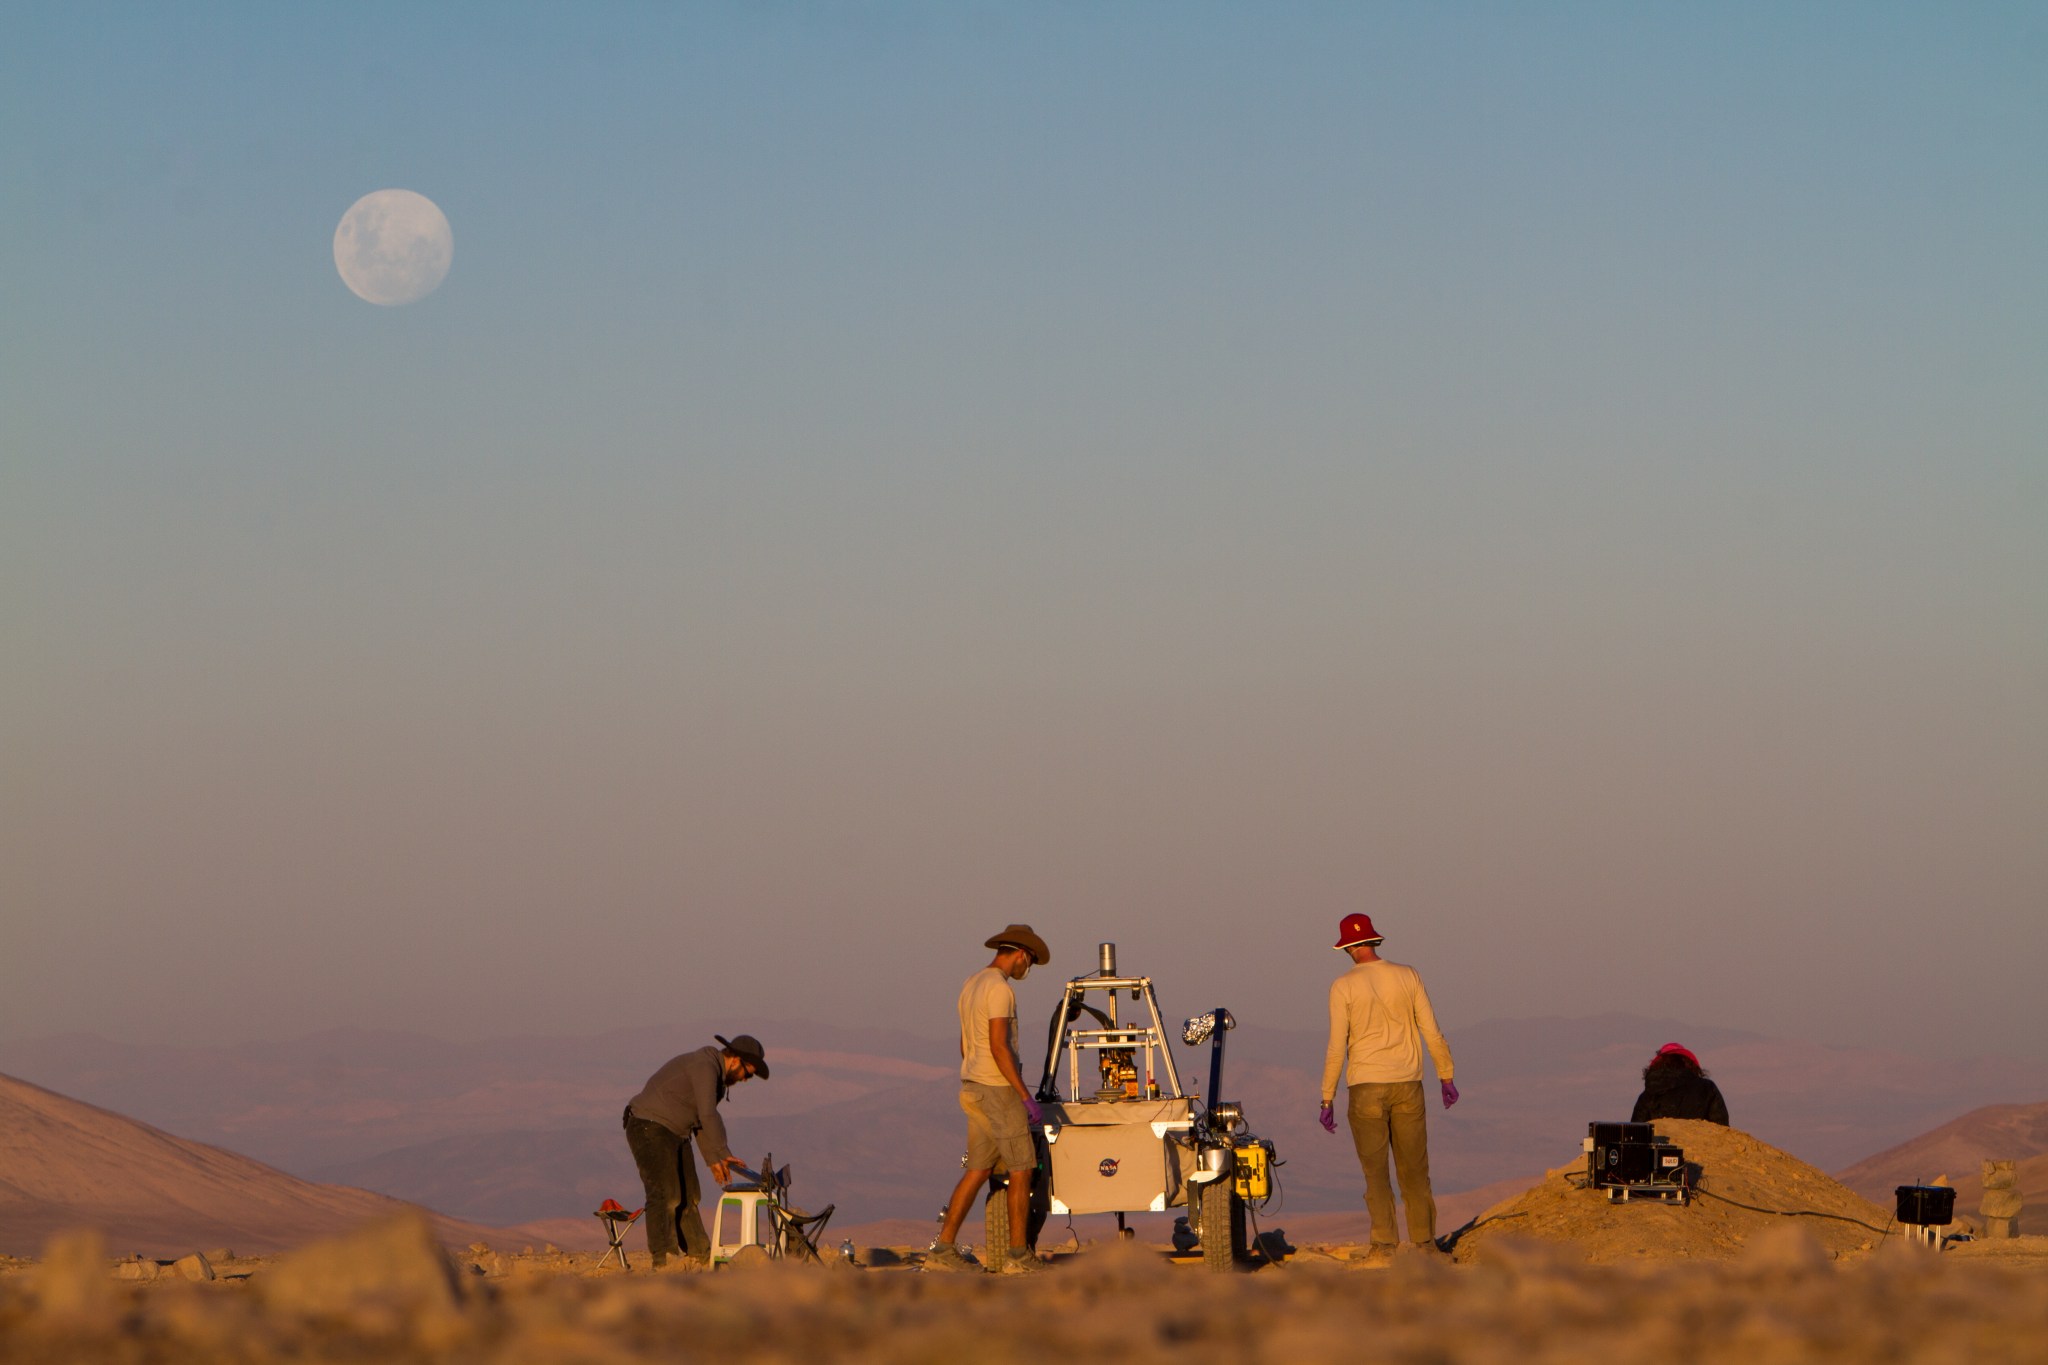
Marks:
<point>996,1219</point>
<point>1221,1218</point>
<point>1041,1193</point>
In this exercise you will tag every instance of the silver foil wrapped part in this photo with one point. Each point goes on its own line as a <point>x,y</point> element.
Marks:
<point>1196,1031</point>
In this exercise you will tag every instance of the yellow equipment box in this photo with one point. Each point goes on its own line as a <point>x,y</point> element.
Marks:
<point>1254,1172</point>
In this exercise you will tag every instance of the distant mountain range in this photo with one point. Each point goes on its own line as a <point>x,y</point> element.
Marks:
<point>515,1130</point>
<point>345,1094</point>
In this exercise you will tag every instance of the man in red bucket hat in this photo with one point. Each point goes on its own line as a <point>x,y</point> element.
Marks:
<point>1380,1019</point>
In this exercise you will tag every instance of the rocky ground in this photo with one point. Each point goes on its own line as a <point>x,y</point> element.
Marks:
<point>390,1292</point>
<point>1774,1262</point>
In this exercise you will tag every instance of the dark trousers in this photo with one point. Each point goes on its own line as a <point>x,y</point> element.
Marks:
<point>668,1172</point>
<point>1391,1116</point>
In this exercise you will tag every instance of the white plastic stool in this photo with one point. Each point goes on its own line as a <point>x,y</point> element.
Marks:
<point>750,1203</point>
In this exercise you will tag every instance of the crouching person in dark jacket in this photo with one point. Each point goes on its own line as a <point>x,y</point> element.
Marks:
<point>1674,1087</point>
<point>678,1103</point>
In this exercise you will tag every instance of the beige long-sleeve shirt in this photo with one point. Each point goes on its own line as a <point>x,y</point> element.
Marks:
<point>1380,1019</point>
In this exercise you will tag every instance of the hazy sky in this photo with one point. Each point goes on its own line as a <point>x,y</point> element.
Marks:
<point>1569,480</point>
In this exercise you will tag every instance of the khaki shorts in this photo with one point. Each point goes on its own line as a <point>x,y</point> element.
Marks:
<point>998,1130</point>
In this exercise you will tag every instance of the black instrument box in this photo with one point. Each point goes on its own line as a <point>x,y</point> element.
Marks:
<point>1926,1206</point>
<point>1625,1154</point>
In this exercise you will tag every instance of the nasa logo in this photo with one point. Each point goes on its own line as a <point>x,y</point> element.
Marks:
<point>1108,1167</point>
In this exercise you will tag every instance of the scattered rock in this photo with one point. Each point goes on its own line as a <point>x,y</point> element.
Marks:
<point>72,1287</point>
<point>137,1268</point>
<point>194,1267</point>
<point>385,1277</point>
<point>2002,1201</point>
<point>1785,1251</point>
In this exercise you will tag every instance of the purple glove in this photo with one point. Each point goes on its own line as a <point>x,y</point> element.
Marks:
<point>1033,1112</point>
<point>1450,1094</point>
<point>1327,1118</point>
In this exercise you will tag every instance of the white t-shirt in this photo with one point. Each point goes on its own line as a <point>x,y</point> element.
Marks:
<point>986,996</point>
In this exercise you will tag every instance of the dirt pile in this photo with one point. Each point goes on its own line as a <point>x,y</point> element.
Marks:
<point>1735,1170</point>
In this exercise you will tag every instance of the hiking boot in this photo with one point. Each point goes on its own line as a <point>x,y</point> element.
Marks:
<point>947,1258</point>
<point>1026,1264</point>
<point>1379,1254</point>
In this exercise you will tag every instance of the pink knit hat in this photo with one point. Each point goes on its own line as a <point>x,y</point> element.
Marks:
<point>1674,1049</point>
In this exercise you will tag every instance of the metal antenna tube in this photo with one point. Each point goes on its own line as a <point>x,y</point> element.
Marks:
<point>1107,954</point>
<point>1224,1023</point>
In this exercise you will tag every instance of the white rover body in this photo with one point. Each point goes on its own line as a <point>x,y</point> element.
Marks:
<point>1135,1141</point>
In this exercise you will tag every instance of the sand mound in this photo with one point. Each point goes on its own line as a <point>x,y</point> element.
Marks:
<point>1733,1167</point>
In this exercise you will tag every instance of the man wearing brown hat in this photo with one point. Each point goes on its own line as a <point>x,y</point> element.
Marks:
<point>680,1102</point>
<point>1380,1019</point>
<point>1001,1114</point>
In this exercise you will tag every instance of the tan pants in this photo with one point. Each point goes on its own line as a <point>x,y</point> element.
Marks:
<point>1385,1115</point>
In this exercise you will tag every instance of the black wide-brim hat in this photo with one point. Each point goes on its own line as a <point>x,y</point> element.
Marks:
<point>747,1047</point>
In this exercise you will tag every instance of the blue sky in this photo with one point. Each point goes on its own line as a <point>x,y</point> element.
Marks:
<point>1566,480</point>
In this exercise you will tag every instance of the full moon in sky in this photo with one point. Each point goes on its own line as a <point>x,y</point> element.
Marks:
<point>393,246</point>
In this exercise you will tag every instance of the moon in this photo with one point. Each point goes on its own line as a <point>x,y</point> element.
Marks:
<point>393,247</point>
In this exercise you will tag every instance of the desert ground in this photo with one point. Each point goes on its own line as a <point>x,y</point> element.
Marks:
<point>1774,1261</point>
<point>390,1293</point>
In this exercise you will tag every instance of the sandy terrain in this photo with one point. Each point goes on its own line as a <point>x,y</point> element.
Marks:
<point>1774,1261</point>
<point>390,1293</point>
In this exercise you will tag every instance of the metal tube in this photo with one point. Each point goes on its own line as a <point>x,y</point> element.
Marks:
<point>1107,953</point>
<point>1165,1048</point>
<point>1224,1023</point>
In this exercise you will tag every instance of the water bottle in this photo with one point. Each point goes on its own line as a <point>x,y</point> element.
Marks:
<point>846,1251</point>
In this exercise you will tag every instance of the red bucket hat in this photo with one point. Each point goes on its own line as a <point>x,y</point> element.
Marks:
<point>1356,929</point>
<point>1675,1050</point>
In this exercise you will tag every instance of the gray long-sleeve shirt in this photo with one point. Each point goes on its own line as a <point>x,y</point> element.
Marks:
<point>683,1097</point>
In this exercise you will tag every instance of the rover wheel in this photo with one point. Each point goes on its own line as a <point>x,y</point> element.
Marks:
<point>1221,1218</point>
<point>996,1219</point>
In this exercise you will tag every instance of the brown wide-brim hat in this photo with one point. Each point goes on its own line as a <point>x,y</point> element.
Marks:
<point>1021,936</point>
<point>748,1048</point>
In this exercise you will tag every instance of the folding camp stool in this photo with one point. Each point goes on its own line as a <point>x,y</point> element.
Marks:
<point>616,1220</point>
